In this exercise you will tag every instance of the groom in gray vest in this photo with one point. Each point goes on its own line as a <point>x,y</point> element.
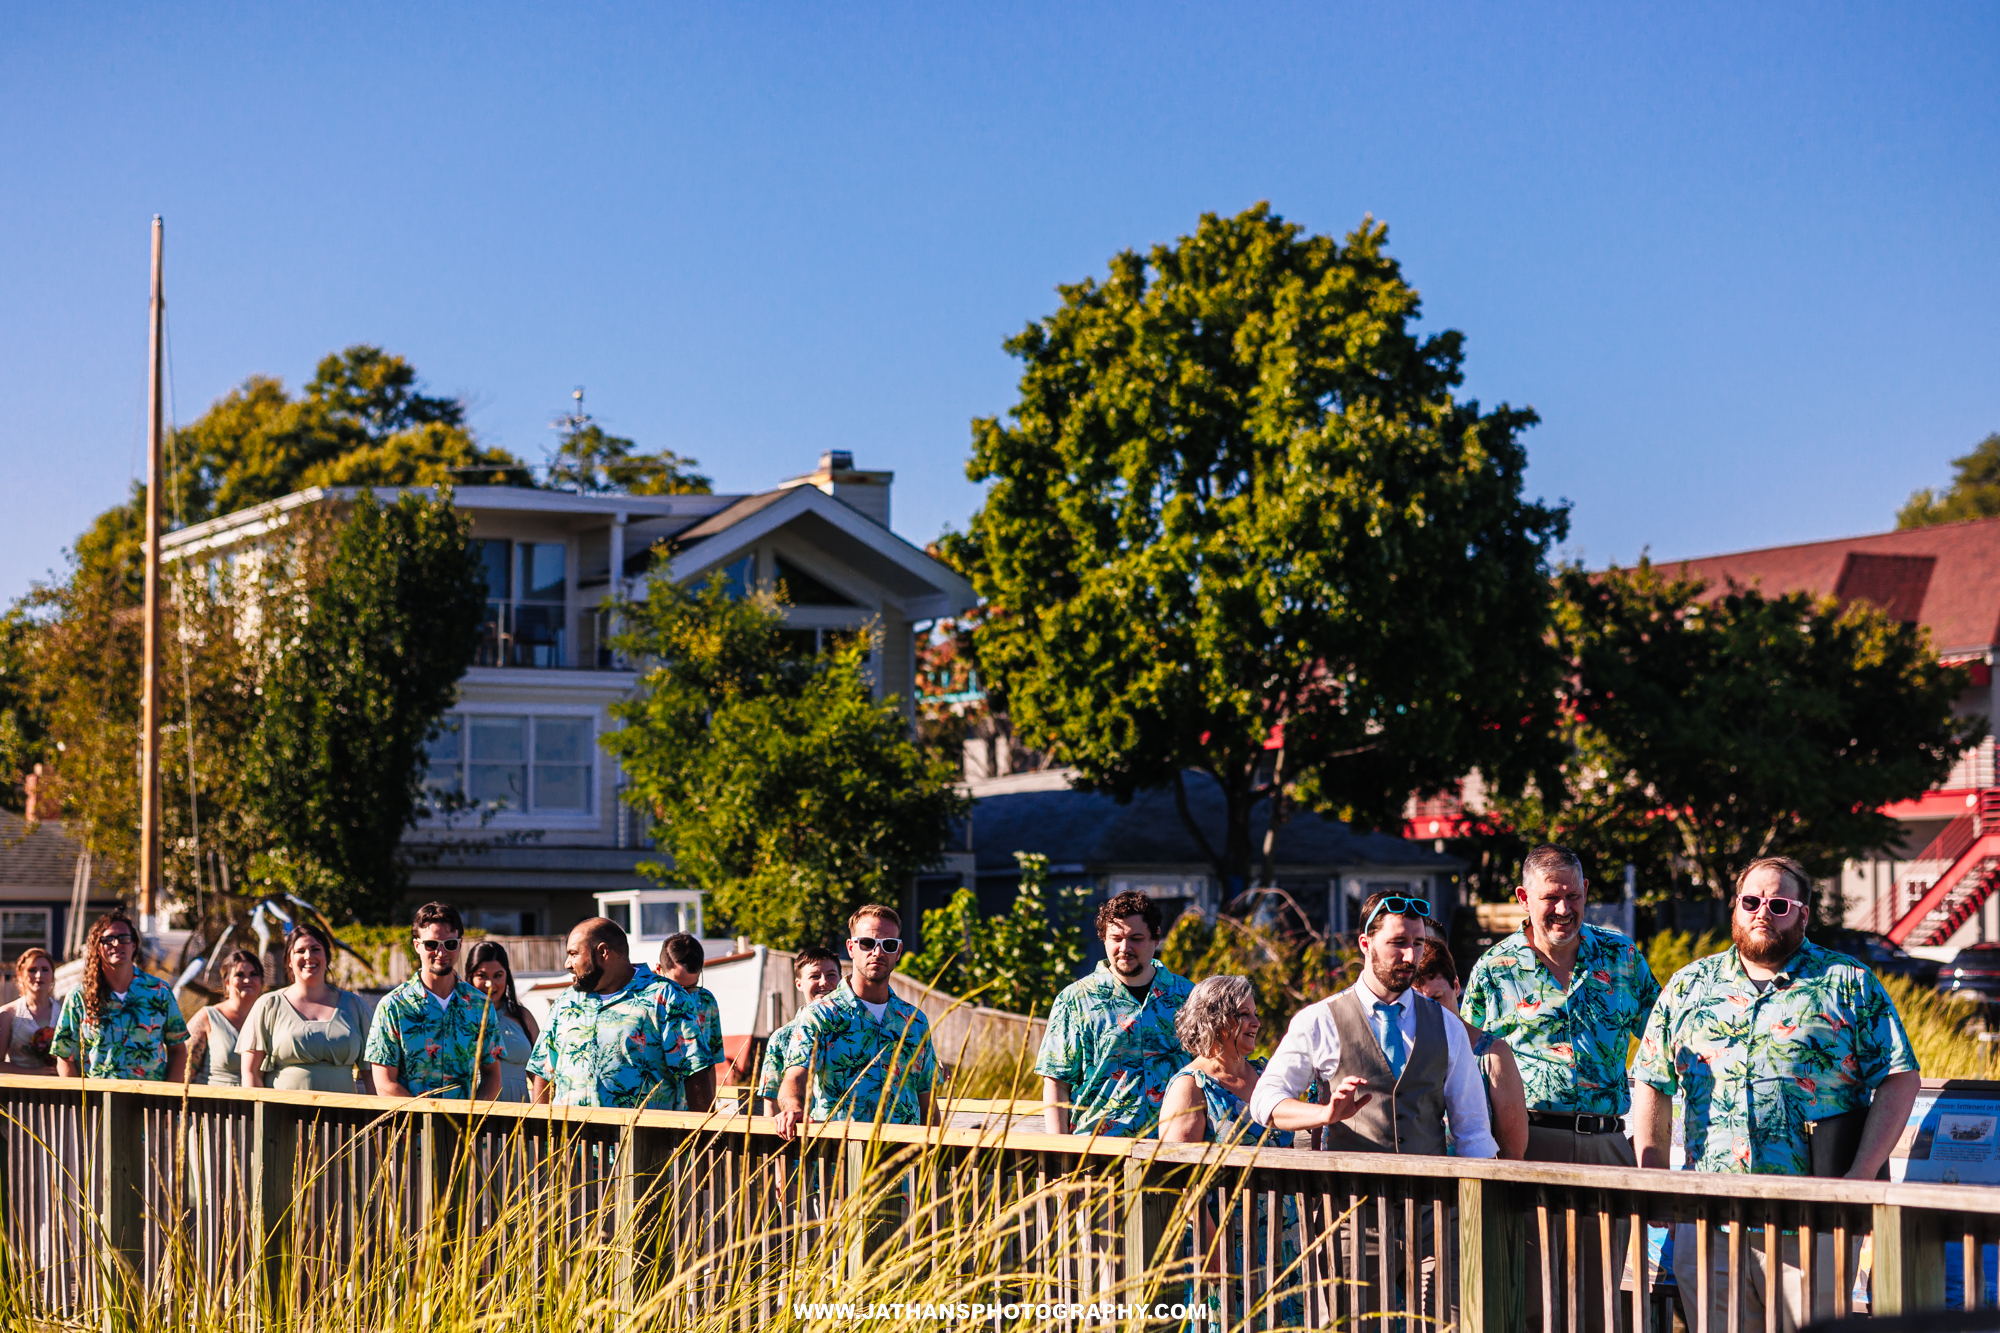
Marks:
<point>1399,1067</point>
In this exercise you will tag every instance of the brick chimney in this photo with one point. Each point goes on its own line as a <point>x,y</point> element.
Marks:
<point>44,796</point>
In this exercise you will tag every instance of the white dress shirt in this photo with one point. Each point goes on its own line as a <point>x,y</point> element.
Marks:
<point>1311,1049</point>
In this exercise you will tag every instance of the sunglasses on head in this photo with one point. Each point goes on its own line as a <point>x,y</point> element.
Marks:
<point>891,945</point>
<point>432,946</point>
<point>1398,907</point>
<point>1750,902</point>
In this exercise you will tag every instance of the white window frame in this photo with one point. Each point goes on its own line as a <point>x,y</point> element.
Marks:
<point>591,818</point>
<point>47,941</point>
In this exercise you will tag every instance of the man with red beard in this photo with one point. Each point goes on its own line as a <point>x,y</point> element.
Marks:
<point>1768,1044</point>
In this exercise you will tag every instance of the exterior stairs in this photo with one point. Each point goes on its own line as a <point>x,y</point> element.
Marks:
<point>1970,845</point>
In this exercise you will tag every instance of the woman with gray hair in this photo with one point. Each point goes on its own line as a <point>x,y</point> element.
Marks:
<point>1208,1101</point>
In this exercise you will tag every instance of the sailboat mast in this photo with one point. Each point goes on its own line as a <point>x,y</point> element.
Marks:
<point>149,766</point>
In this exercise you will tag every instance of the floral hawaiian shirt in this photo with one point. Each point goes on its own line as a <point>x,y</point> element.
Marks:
<point>1117,1054</point>
<point>851,1057</point>
<point>1755,1068</point>
<point>777,1053</point>
<point>435,1049</point>
<point>708,1029</point>
<point>632,1048</point>
<point>132,1036</point>
<point>1570,1043</point>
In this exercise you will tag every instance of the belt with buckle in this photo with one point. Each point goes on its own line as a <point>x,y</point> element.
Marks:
<point>1585,1123</point>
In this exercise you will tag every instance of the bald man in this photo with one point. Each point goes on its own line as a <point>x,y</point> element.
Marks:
<point>621,1035</point>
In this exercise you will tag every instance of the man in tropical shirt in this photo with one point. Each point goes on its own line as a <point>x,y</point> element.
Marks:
<point>1762,1041</point>
<point>816,972</point>
<point>681,960</point>
<point>862,1053</point>
<point>121,1022</point>
<point>1110,1050</point>
<point>621,1035</point>
<point>436,1035</point>
<point>1568,999</point>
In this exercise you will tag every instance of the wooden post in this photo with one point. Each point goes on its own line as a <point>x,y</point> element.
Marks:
<point>149,697</point>
<point>643,1155</point>
<point>1145,1220</point>
<point>439,1155</point>
<point>274,1139</point>
<point>123,1147</point>
<point>1908,1262</point>
<point>1491,1250</point>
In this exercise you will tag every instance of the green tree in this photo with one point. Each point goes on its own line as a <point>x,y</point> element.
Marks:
<point>1237,503</point>
<point>1751,725</point>
<point>370,656</point>
<point>1019,960</point>
<point>1974,492</point>
<point>1286,971</point>
<point>593,462</point>
<point>779,785</point>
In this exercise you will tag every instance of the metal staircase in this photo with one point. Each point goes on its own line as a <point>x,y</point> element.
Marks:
<point>1970,847</point>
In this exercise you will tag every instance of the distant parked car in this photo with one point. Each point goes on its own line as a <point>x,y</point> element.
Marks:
<point>1973,973</point>
<point>1876,952</point>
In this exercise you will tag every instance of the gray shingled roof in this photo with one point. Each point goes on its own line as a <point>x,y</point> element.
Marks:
<point>43,858</point>
<point>1094,831</point>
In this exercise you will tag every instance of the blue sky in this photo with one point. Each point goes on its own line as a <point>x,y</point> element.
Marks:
<point>1742,260</point>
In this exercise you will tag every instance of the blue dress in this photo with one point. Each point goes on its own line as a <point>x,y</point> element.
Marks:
<point>1229,1122</point>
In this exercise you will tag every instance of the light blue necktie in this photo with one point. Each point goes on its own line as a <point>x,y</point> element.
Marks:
<point>1392,1037</point>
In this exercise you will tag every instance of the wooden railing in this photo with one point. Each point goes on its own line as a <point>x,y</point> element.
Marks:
<point>118,1194</point>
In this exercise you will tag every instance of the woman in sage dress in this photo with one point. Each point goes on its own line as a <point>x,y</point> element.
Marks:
<point>309,1036</point>
<point>213,1032</point>
<point>486,967</point>
<point>1208,1101</point>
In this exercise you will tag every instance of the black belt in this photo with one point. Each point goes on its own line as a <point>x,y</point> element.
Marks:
<point>1582,1124</point>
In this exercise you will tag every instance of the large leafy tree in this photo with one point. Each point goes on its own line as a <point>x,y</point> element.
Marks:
<point>369,656</point>
<point>782,788</point>
<point>1974,490</point>
<point>591,460</point>
<point>1236,505</point>
<point>1746,725</point>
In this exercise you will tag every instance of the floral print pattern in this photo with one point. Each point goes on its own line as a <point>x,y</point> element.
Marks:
<point>1756,1067</point>
<point>132,1037</point>
<point>852,1057</point>
<point>777,1054</point>
<point>1116,1054</point>
<point>435,1050</point>
<point>708,1028</point>
<point>632,1048</point>
<point>1569,1042</point>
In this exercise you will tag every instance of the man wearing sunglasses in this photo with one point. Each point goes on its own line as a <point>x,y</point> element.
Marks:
<point>863,1052</point>
<point>1397,1064</point>
<point>436,1035</point>
<point>1779,1048</point>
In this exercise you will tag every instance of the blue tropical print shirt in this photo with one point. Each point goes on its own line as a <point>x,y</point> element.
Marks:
<point>632,1048</point>
<point>708,1029</point>
<point>1570,1042</point>
<point>436,1050</point>
<point>132,1036</point>
<point>860,1067</point>
<point>777,1053</point>
<point>1116,1054</point>
<point>1756,1067</point>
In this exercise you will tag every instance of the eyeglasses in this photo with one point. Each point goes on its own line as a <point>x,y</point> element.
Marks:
<point>1780,907</point>
<point>122,938</point>
<point>1398,907</point>
<point>892,945</point>
<point>432,946</point>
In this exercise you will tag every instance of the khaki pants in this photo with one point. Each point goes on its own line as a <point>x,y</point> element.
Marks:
<point>1790,1314</point>
<point>1586,1267</point>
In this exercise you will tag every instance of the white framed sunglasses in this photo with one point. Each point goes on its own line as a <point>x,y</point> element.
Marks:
<point>891,946</point>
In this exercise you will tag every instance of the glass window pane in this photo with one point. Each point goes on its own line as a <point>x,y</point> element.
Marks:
<point>542,571</point>
<point>620,913</point>
<point>562,740</point>
<point>738,576</point>
<point>442,746</point>
<point>659,918</point>
<point>495,565</point>
<point>22,929</point>
<point>499,740</point>
<point>538,636</point>
<point>562,787</point>
<point>502,785</point>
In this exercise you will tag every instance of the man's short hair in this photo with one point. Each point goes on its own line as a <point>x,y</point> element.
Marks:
<point>1549,860</point>
<point>809,955</point>
<point>889,914</point>
<point>1375,899</point>
<point>1790,872</point>
<point>685,950</point>
<point>1121,905</point>
<point>603,930</point>
<point>439,914</point>
<point>1434,961</point>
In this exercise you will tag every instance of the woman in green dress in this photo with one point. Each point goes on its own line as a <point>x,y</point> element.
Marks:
<point>214,1031</point>
<point>310,1036</point>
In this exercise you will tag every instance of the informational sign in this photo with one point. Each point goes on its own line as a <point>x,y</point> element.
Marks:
<point>1953,1135</point>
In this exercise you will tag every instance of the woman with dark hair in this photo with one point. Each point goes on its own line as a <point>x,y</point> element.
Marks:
<point>121,1022</point>
<point>1437,977</point>
<point>309,1036</point>
<point>486,967</point>
<point>28,1021</point>
<point>213,1032</point>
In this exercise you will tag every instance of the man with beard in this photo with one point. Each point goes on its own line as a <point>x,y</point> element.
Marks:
<point>1568,999</point>
<point>1111,1050</point>
<point>621,1035</point>
<point>1767,1043</point>
<point>1398,1066</point>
